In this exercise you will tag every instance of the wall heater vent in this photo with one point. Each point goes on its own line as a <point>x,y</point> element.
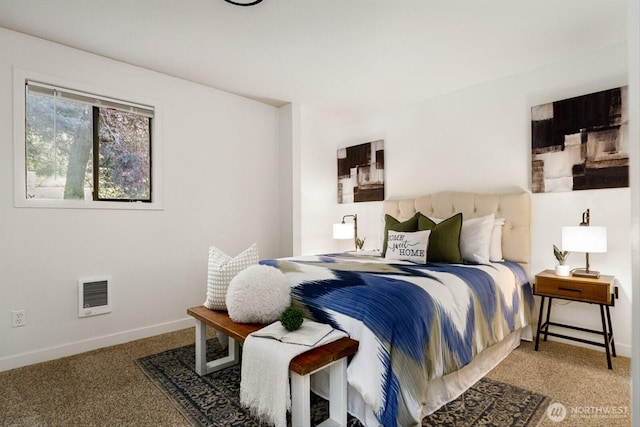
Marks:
<point>94,296</point>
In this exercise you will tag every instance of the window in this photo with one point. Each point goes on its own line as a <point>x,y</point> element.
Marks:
<point>80,146</point>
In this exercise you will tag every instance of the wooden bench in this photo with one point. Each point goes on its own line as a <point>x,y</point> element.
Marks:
<point>331,356</point>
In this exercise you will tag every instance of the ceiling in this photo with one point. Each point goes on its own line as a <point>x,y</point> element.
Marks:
<point>350,57</point>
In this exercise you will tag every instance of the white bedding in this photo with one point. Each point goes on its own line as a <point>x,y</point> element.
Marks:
<point>416,324</point>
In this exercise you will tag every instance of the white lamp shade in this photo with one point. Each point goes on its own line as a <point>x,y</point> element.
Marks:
<point>343,231</point>
<point>584,239</point>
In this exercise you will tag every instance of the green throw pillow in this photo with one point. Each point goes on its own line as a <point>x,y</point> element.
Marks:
<point>444,241</point>
<point>390,223</point>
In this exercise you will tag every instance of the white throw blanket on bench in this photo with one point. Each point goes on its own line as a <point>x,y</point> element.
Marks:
<point>264,384</point>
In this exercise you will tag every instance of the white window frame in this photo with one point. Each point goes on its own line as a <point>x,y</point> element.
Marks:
<point>20,77</point>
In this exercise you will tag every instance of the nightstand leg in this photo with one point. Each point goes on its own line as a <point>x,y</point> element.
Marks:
<point>606,336</point>
<point>613,340</point>
<point>546,329</point>
<point>539,322</point>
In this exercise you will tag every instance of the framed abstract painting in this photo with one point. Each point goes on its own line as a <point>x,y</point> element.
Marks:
<point>361,172</point>
<point>580,143</point>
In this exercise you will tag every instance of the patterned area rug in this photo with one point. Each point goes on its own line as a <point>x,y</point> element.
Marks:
<point>214,400</point>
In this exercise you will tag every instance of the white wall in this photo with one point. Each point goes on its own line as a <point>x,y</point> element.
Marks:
<point>478,139</point>
<point>634,136</point>
<point>221,187</point>
<point>317,186</point>
<point>286,170</point>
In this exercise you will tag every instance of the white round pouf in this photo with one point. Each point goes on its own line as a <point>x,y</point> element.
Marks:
<point>258,294</point>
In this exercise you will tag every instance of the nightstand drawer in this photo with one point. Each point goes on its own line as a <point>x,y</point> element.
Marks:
<point>586,290</point>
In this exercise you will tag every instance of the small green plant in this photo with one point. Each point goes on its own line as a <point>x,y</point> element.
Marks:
<point>291,318</point>
<point>360,243</point>
<point>561,256</point>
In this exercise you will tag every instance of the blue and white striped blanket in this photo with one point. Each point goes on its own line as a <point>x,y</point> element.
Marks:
<point>414,322</point>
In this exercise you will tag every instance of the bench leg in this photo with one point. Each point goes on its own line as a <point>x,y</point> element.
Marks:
<point>301,397</point>
<point>300,400</point>
<point>202,366</point>
<point>338,393</point>
<point>201,348</point>
<point>222,339</point>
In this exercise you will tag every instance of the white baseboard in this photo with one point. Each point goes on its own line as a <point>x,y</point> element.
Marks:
<point>52,353</point>
<point>623,350</point>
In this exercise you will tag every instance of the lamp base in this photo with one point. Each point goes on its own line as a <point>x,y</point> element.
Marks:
<point>581,272</point>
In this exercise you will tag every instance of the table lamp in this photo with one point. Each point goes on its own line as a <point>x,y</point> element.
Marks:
<point>347,231</point>
<point>587,239</point>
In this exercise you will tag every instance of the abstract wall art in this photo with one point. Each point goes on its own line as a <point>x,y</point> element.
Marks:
<point>580,143</point>
<point>361,172</point>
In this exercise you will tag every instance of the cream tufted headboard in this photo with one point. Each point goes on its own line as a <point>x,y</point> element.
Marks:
<point>513,207</point>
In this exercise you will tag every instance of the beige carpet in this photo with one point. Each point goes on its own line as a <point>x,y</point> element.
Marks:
<point>575,376</point>
<point>214,399</point>
<point>105,387</point>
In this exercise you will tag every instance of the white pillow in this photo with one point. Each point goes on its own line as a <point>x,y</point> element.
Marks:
<point>222,268</point>
<point>495,252</point>
<point>475,239</point>
<point>258,294</point>
<point>408,246</point>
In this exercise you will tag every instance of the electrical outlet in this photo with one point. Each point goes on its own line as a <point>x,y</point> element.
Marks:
<point>19,318</point>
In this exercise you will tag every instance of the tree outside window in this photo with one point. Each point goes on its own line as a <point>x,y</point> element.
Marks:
<point>76,150</point>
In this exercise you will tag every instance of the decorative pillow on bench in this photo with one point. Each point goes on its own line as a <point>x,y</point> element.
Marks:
<point>258,294</point>
<point>223,268</point>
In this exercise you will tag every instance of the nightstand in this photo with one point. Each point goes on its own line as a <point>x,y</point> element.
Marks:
<point>599,291</point>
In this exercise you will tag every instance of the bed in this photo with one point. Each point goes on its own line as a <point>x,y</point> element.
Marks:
<point>427,330</point>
